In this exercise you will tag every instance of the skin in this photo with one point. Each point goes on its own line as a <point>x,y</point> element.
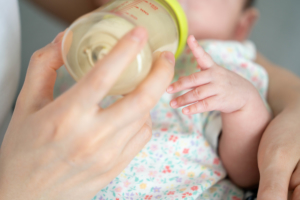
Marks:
<point>203,21</point>
<point>67,146</point>
<point>279,153</point>
<point>281,138</point>
<point>244,115</point>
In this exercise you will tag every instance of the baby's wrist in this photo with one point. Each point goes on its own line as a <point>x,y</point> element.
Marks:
<point>253,100</point>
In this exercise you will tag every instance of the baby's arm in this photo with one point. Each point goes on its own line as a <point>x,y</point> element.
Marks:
<point>244,114</point>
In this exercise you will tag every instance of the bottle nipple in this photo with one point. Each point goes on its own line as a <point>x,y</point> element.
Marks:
<point>96,53</point>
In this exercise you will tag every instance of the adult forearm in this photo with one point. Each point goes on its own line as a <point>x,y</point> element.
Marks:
<point>283,127</point>
<point>284,87</point>
<point>279,152</point>
<point>66,10</point>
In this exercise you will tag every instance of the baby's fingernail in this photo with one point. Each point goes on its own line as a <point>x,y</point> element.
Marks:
<point>138,34</point>
<point>174,103</point>
<point>169,56</point>
<point>186,110</point>
<point>194,40</point>
<point>170,89</point>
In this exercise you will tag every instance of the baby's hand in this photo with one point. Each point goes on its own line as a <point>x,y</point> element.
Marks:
<point>214,88</point>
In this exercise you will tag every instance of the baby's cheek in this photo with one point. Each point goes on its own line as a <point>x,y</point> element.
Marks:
<point>183,4</point>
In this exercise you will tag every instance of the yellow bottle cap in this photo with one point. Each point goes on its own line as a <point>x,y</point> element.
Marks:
<point>182,25</point>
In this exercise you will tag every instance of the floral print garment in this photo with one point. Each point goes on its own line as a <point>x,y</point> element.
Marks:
<point>179,162</point>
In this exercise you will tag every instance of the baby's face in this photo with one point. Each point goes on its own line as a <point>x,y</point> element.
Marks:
<point>213,19</point>
<point>210,19</point>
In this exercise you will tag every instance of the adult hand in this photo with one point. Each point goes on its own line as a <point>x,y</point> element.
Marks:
<point>279,151</point>
<point>278,158</point>
<point>69,148</point>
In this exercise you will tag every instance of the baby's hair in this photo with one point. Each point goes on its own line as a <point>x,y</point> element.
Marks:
<point>249,3</point>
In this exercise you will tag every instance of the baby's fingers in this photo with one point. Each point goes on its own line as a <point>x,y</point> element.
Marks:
<point>191,81</point>
<point>194,95</point>
<point>205,105</point>
<point>203,59</point>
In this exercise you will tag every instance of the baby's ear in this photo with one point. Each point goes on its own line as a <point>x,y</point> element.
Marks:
<point>246,23</point>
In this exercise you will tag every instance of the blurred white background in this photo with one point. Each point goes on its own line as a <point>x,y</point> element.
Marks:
<point>277,34</point>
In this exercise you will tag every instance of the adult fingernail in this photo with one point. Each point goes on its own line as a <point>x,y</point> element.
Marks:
<point>156,55</point>
<point>58,38</point>
<point>170,89</point>
<point>138,34</point>
<point>169,56</point>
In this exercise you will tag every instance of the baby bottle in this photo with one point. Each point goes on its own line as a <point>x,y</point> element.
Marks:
<point>92,36</point>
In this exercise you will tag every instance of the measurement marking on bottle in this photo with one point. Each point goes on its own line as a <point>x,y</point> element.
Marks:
<point>154,7</point>
<point>119,6</point>
<point>129,6</point>
<point>134,17</point>
<point>123,7</point>
<point>144,11</point>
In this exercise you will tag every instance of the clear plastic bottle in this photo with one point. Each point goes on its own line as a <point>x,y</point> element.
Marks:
<point>92,36</point>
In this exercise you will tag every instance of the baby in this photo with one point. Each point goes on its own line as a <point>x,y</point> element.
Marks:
<point>181,159</point>
<point>225,114</point>
<point>227,24</point>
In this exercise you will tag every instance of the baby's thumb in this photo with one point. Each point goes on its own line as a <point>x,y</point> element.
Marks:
<point>204,60</point>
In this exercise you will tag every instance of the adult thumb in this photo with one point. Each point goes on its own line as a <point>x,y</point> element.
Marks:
<point>274,183</point>
<point>41,75</point>
<point>296,193</point>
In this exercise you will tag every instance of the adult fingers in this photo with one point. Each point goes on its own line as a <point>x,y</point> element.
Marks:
<point>296,193</point>
<point>196,79</point>
<point>137,142</point>
<point>95,85</point>
<point>204,105</point>
<point>132,148</point>
<point>41,75</point>
<point>138,103</point>
<point>295,180</point>
<point>276,166</point>
<point>121,138</point>
<point>273,185</point>
<point>196,94</point>
<point>203,59</point>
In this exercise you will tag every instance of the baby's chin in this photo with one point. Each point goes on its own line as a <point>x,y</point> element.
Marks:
<point>198,31</point>
<point>201,35</point>
<point>198,35</point>
<point>204,31</point>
